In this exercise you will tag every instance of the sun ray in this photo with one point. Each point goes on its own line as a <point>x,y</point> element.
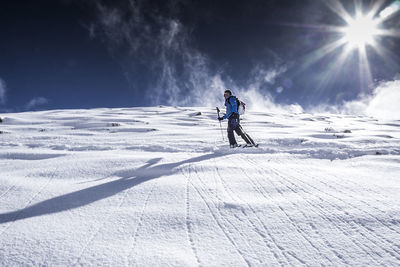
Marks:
<point>388,32</point>
<point>365,75</point>
<point>319,27</point>
<point>374,10</point>
<point>389,11</point>
<point>337,7</point>
<point>358,7</point>
<point>315,56</point>
<point>333,72</point>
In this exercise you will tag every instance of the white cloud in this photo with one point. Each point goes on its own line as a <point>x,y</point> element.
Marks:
<point>3,90</point>
<point>37,101</point>
<point>382,104</point>
<point>385,101</point>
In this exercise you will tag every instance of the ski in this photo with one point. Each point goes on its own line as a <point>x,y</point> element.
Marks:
<point>250,145</point>
<point>231,146</point>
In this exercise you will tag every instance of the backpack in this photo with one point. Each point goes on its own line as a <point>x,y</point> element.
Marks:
<point>241,106</point>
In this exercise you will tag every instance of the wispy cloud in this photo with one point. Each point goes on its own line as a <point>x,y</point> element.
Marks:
<point>180,74</point>
<point>260,87</point>
<point>3,90</point>
<point>36,102</point>
<point>161,43</point>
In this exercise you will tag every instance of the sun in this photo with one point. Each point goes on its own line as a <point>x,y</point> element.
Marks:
<point>361,31</point>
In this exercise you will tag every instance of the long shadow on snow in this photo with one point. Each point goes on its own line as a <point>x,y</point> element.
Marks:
<point>92,194</point>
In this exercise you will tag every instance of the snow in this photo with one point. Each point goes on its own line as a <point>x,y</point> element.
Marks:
<point>157,186</point>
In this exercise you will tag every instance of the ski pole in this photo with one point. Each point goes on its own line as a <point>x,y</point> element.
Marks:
<point>220,125</point>
<point>248,137</point>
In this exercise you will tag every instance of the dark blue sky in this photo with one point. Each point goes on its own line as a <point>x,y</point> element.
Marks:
<point>85,54</point>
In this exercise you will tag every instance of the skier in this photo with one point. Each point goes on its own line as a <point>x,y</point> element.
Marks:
<point>232,114</point>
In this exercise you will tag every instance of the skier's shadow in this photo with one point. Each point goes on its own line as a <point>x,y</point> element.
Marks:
<point>92,194</point>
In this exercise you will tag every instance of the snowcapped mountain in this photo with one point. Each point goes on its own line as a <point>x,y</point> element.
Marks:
<point>158,186</point>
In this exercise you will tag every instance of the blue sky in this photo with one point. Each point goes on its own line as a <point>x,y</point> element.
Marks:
<point>86,54</point>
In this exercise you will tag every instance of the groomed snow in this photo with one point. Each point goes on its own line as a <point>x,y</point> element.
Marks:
<point>158,187</point>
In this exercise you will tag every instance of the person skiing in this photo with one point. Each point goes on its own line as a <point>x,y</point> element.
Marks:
<point>232,114</point>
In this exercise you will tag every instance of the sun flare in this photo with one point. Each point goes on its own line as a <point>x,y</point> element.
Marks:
<point>364,28</point>
<point>361,31</point>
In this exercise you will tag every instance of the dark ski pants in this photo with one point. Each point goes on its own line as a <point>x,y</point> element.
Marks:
<point>234,125</point>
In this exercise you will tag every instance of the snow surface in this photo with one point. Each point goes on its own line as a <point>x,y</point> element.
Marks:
<point>158,187</point>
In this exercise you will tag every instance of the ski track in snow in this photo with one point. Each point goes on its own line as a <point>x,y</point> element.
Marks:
<point>189,227</point>
<point>220,221</point>
<point>260,189</point>
<point>327,243</point>
<point>292,223</point>
<point>230,195</point>
<point>270,242</point>
<point>375,237</point>
<point>344,231</point>
<point>139,224</point>
<point>98,231</point>
<point>155,186</point>
<point>18,214</point>
<point>9,189</point>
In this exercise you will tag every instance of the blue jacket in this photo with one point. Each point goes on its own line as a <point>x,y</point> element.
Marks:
<point>231,107</point>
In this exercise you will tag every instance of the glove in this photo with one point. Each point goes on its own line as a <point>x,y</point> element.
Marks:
<point>220,119</point>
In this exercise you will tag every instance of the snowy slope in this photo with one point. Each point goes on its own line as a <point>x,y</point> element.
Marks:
<point>157,187</point>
